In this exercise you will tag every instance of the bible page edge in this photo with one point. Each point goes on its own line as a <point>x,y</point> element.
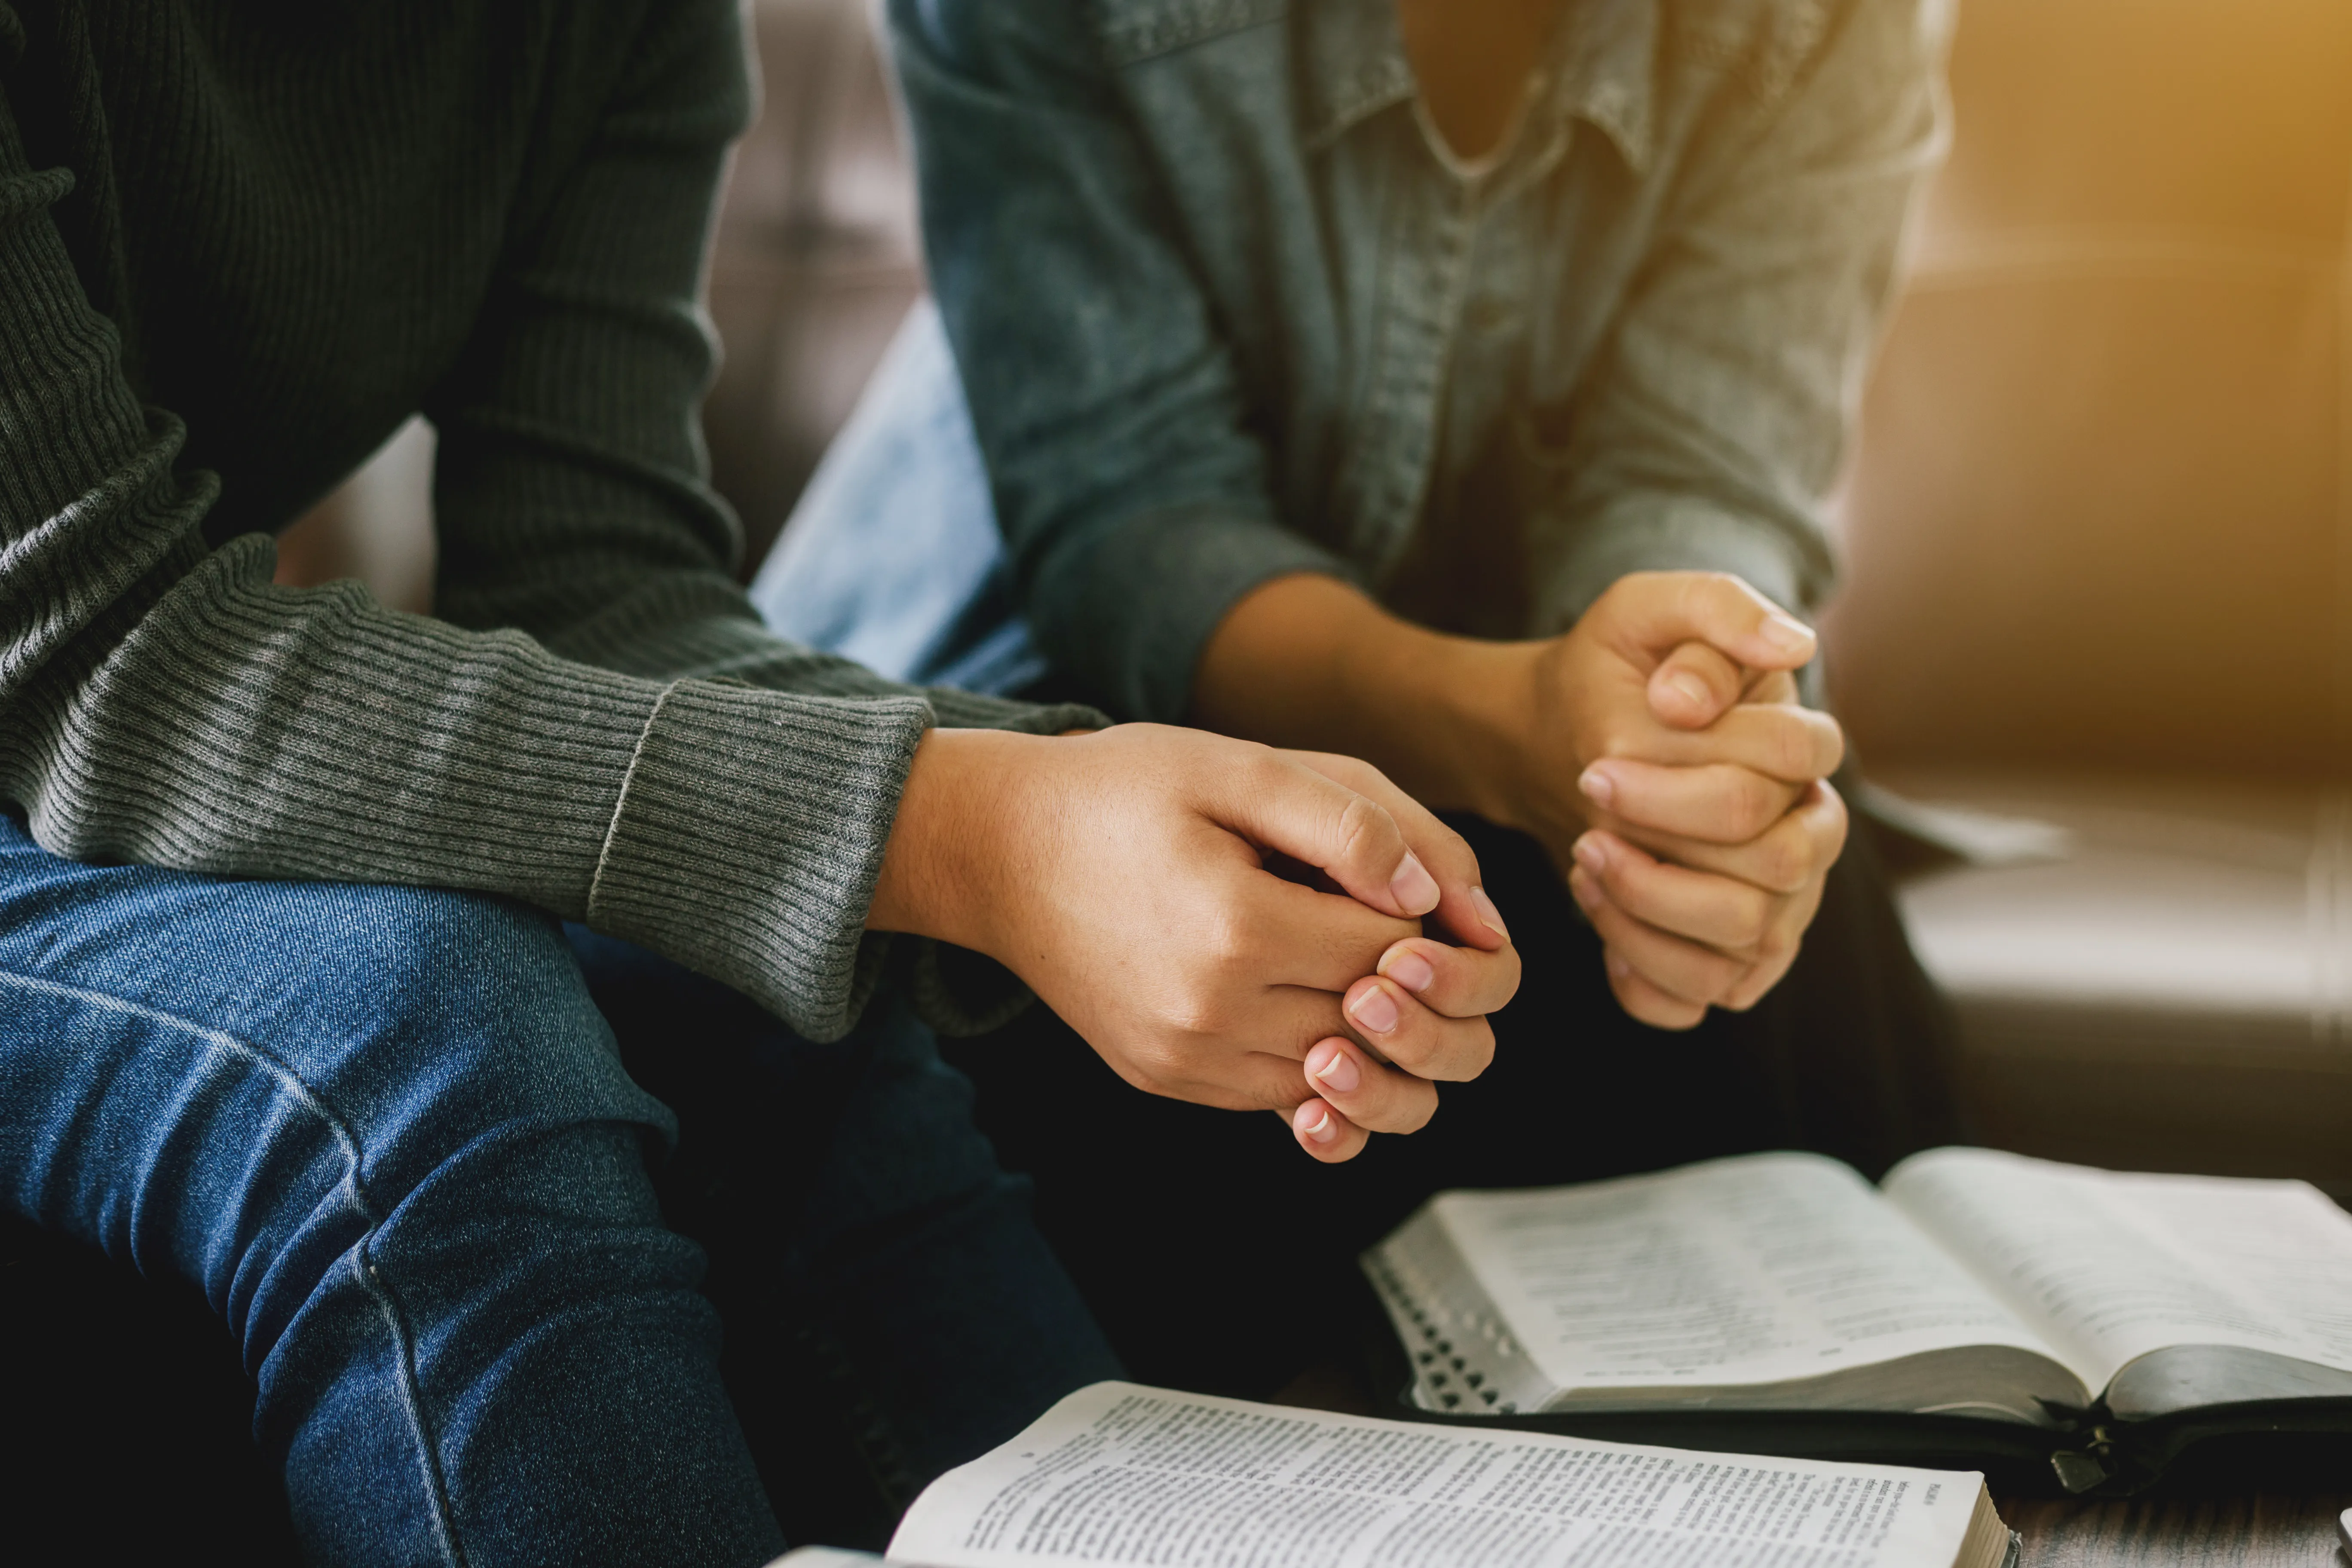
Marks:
<point>2101,1356</point>
<point>933,1531</point>
<point>1465,1215</point>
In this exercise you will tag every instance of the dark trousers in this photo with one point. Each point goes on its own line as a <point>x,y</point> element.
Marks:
<point>1218,1256</point>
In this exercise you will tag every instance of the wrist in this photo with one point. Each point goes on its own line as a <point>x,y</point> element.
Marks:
<point>943,870</point>
<point>1481,715</point>
<point>1313,663</point>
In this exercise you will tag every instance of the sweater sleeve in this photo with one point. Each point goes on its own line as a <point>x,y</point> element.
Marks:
<point>601,728</point>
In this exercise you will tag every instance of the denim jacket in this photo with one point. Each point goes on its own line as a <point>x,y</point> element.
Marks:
<point>1226,306</point>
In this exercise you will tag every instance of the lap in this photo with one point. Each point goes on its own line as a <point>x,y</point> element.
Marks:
<point>269,1088</point>
<point>890,1300</point>
<point>170,1040</point>
<point>1218,1256</point>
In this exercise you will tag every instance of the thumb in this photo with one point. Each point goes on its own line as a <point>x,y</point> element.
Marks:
<point>1694,686</point>
<point>1648,614</point>
<point>1279,804</point>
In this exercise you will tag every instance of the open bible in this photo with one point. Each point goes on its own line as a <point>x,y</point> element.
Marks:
<point>1978,1306</point>
<point>1121,1474</point>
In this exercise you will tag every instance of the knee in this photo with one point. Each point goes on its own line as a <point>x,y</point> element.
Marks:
<point>492,1144</point>
<point>455,1019</point>
<point>416,1022</point>
<point>240,1080</point>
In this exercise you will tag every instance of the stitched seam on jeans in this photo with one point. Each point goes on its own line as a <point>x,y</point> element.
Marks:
<point>222,1041</point>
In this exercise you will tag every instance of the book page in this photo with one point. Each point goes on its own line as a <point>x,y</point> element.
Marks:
<point>1118,1474</point>
<point>1756,1269</point>
<point>2112,1266</point>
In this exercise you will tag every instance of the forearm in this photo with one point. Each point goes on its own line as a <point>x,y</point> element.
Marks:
<point>1311,662</point>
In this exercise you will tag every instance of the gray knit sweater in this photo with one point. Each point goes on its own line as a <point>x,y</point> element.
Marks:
<point>240,241</point>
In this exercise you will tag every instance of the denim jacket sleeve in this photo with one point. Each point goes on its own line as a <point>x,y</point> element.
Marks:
<point>1715,420</point>
<point>1134,501</point>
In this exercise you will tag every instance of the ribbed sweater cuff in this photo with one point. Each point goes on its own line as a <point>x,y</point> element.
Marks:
<point>749,832</point>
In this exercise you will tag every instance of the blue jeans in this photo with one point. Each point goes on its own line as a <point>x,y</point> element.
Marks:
<point>390,1134</point>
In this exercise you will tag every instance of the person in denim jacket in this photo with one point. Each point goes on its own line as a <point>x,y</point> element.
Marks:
<point>1369,376</point>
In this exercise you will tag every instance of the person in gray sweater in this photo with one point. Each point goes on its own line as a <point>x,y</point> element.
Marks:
<point>318,920</point>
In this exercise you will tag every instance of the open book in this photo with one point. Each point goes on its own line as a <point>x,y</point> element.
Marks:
<point>1120,1474</point>
<point>1973,1286</point>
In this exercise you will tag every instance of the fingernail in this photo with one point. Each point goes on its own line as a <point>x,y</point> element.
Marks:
<point>1690,687</point>
<point>1322,1129</point>
<point>1414,889</point>
<point>1787,635</point>
<point>1488,914</point>
<point>1411,970</point>
<point>1376,1010</point>
<point>1598,786</point>
<point>1590,855</point>
<point>1338,1074</point>
<point>1586,891</point>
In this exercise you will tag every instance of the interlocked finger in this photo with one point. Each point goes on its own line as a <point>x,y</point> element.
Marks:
<point>1779,740</point>
<point>1686,971</point>
<point>1645,1002</point>
<point>1721,913</point>
<point>1454,982</point>
<point>1790,856</point>
<point>1711,803</point>
<point>1369,1093</point>
<point>1424,1043</point>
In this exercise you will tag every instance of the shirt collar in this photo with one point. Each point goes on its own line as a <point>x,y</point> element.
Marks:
<point>1601,68</point>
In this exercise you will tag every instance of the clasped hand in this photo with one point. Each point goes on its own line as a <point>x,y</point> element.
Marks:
<point>1702,825</point>
<point>1223,922</point>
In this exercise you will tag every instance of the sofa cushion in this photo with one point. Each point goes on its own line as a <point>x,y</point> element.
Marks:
<point>2171,990</point>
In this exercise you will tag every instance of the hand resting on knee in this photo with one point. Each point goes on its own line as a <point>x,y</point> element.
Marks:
<point>1225,922</point>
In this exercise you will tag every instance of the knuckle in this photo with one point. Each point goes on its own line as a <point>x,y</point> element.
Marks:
<point>1269,1099</point>
<point>1831,742</point>
<point>1507,974</point>
<point>1228,943</point>
<point>1717,594</point>
<point>1793,749</point>
<point>1190,1020</point>
<point>1784,863</point>
<point>1833,834</point>
<point>1153,1077</point>
<point>1755,803</point>
<point>1477,1053</point>
<point>1359,828</point>
<point>1263,774</point>
<point>1342,768</point>
<point>1752,922</point>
